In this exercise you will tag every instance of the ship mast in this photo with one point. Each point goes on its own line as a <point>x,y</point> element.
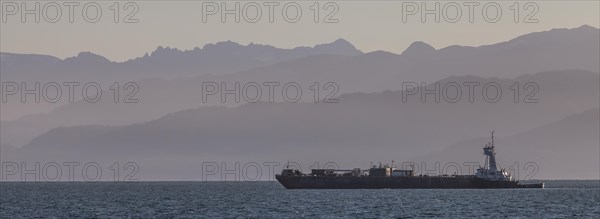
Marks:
<point>490,153</point>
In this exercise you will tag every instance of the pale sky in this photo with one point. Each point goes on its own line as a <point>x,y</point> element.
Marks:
<point>369,25</point>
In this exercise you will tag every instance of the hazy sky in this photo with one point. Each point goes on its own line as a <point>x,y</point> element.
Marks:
<point>368,25</point>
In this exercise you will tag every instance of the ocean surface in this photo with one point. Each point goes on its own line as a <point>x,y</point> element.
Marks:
<point>562,199</point>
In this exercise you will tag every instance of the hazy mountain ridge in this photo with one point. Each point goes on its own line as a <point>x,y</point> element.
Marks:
<point>558,87</point>
<point>576,48</point>
<point>567,148</point>
<point>555,49</point>
<point>360,128</point>
<point>369,121</point>
<point>164,62</point>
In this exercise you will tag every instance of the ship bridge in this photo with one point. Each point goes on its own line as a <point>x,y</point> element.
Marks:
<point>490,171</point>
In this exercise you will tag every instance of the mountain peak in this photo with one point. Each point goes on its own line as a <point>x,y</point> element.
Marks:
<point>164,51</point>
<point>223,45</point>
<point>88,54</point>
<point>161,49</point>
<point>339,46</point>
<point>418,48</point>
<point>558,34</point>
<point>587,28</point>
<point>342,41</point>
<point>87,57</point>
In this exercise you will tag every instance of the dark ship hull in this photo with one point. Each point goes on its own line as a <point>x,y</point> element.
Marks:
<point>388,177</point>
<point>400,182</point>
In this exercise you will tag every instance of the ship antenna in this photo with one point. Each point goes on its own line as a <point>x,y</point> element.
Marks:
<point>287,166</point>
<point>493,137</point>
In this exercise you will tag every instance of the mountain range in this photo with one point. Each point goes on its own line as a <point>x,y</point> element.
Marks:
<point>357,129</point>
<point>369,121</point>
<point>339,61</point>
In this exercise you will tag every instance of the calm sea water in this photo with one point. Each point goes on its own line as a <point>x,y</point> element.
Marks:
<point>566,199</point>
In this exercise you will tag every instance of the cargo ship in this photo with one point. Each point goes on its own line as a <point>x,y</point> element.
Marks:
<point>387,177</point>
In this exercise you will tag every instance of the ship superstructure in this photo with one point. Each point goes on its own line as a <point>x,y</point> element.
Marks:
<point>489,171</point>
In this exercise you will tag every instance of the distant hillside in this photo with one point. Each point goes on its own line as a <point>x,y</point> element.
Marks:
<point>339,61</point>
<point>164,63</point>
<point>219,58</point>
<point>359,129</point>
<point>565,149</point>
